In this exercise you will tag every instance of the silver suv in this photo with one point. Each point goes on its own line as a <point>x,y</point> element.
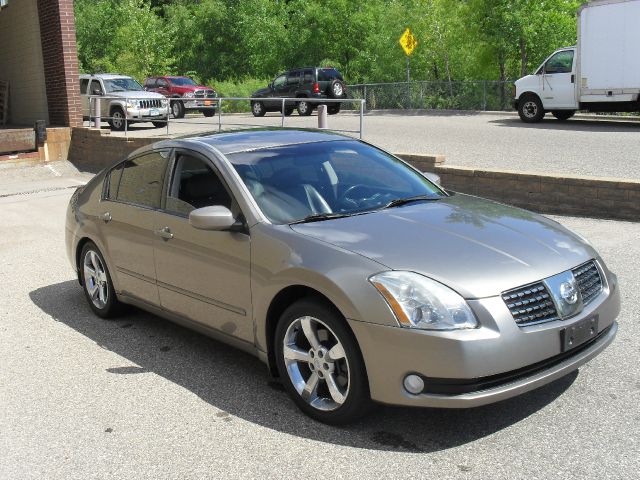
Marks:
<point>125,101</point>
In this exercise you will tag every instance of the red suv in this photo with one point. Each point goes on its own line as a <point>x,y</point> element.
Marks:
<point>196,97</point>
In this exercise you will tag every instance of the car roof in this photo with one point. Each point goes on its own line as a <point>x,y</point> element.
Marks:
<point>104,76</point>
<point>257,139</point>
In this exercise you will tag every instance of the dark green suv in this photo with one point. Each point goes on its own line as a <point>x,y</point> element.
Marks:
<point>307,82</point>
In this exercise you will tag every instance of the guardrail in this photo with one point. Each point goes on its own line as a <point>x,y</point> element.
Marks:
<point>164,112</point>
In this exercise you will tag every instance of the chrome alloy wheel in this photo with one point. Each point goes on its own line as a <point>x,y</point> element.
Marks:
<point>257,108</point>
<point>303,108</point>
<point>117,118</point>
<point>316,363</point>
<point>337,89</point>
<point>95,279</point>
<point>530,109</point>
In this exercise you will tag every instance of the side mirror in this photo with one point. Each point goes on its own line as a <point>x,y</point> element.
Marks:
<point>433,177</point>
<point>212,218</point>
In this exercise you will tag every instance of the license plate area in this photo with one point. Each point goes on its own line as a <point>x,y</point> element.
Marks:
<point>579,333</point>
<point>154,112</point>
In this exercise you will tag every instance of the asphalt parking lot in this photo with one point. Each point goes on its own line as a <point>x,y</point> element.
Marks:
<point>140,397</point>
<point>580,146</point>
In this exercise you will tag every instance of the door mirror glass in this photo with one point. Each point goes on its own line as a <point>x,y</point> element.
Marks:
<point>433,177</point>
<point>212,218</point>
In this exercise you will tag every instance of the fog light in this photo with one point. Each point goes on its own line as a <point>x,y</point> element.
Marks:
<point>413,384</point>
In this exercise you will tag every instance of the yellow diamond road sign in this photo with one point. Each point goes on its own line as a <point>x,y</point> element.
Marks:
<point>408,42</point>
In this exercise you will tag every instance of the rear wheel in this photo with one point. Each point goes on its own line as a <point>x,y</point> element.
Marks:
<point>258,110</point>
<point>177,109</point>
<point>288,111</point>
<point>320,363</point>
<point>304,108</point>
<point>333,109</point>
<point>98,287</point>
<point>530,109</point>
<point>563,115</point>
<point>208,113</point>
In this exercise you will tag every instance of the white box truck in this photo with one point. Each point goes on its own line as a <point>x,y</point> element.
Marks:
<point>600,74</point>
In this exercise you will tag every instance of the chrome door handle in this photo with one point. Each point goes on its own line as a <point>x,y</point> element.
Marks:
<point>106,217</point>
<point>164,233</point>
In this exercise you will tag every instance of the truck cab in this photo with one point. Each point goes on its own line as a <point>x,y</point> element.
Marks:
<point>552,88</point>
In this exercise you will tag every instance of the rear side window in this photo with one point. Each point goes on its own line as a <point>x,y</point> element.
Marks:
<point>142,179</point>
<point>293,78</point>
<point>84,83</point>
<point>328,74</point>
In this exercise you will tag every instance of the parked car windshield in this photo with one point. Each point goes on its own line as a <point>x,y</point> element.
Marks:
<point>121,85</point>
<point>182,81</point>
<point>332,178</point>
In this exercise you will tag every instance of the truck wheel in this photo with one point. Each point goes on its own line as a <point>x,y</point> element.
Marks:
<point>208,113</point>
<point>333,109</point>
<point>177,109</point>
<point>304,108</point>
<point>563,115</point>
<point>258,110</point>
<point>159,124</point>
<point>118,119</point>
<point>530,109</point>
<point>336,89</point>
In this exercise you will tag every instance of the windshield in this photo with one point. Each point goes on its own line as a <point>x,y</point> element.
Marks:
<point>121,85</point>
<point>182,81</point>
<point>349,177</point>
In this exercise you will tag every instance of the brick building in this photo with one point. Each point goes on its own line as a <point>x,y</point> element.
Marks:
<point>39,60</point>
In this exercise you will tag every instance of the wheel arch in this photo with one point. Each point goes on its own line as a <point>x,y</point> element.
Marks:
<point>529,93</point>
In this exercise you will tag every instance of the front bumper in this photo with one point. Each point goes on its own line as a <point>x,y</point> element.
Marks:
<point>469,368</point>
<point>147,114</point>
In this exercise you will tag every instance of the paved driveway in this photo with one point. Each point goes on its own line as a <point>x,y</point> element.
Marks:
<point>142,398</point>
<point>578,146</point>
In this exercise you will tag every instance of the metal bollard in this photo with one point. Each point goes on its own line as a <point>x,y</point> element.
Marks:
<point>322,116</point>
<point>96,113</point>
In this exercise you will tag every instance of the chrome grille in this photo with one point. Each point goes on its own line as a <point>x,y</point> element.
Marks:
<point>204,94</point>
<point>589,281</point>
<point>530,304</point>
<point>153,103</point>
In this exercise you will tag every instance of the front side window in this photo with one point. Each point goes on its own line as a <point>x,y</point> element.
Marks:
<point>334,177</point>
<point>194,185</point>
<point>162,83</point>
<point>142,180</point>
<point>95,88</point>
<point>561,62</point>
<point>183,81</point>
<point>279,81</point>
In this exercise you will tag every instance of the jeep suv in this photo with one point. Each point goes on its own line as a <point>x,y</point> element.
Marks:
<point>307,82</point>
<point>200,97</point>
<point>125,101</point>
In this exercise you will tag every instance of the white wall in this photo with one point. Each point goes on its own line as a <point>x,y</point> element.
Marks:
<point>21,62</point>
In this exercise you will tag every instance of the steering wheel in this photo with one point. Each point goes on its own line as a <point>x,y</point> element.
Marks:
<point>353,188</point>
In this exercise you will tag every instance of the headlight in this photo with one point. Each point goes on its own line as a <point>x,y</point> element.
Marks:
<point>189,95</point>
<point>419,302</point>
<point>164,102</point>
<point>132,103</point>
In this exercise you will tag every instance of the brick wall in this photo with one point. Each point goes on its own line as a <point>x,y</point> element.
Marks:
<point>21,62</point>
<point>60,55</point>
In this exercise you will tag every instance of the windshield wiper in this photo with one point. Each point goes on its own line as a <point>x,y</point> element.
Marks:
<point>402,201</point>
<point>319,217</point>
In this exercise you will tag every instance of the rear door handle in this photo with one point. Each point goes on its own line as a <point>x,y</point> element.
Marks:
<point>106,217</point>
<point>165,233</point>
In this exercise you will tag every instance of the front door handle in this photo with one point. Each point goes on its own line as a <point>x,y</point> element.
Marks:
<point>106,217</point>
<point>165,233</point>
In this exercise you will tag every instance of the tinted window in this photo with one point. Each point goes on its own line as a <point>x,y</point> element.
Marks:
<point>293,78</point>
<point>308,76</point>
<point>83,86</point>
<point>327,74</point>
<point>195,185</point>
<point>279,81</point>
<point>113,180</point>
<point>142,180</point>
<point>162,83</point>
<point>150,83</point>
<point>561,62</point>
<point>95,88</point>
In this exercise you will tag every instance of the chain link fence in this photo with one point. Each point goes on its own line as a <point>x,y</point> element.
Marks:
<point>439,95</point>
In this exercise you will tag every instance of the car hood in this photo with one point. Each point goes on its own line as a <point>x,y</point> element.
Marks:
<point>258,93</point>
<point>136,94</point>
<point>477,247</point>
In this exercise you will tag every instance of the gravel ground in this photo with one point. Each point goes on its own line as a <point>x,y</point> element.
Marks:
<point>579,146</point>
<point>142,398</point>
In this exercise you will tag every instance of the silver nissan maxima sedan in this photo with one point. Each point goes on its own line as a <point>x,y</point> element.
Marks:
<point>349,273</point>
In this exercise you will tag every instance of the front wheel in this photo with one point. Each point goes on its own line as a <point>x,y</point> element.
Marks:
<point>304,108</point>
<point>98,286</point>
<point>159,124</point>
<point>333,109</point>
<point>208,113</point>
<point>258,110</point>
<point>563,115</point>
<point>118,120</point>
<point>530,109</point>
<point>320,363</point>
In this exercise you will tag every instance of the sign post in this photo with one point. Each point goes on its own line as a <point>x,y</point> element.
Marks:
<point>408,43</point>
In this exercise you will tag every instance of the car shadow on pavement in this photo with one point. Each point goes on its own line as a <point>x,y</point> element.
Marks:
<point>575,124</point>
<point>237,384</point>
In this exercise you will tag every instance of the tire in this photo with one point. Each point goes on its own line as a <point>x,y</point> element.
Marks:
<point>159,124</point>
<point>337,89</point>
<point>563,115</point>
<point>333,109</point>
<point>530,109</point>
<point>103,300</point>
<point>177,109</point>
<point>349,397</point>
<point>304,108</point>
<point>118,120</point>
<point>258,110</point>
<point>288,111</point>
<point>208,113</point>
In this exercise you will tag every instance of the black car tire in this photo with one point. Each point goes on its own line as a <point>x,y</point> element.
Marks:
<point>159,124</point>
<point>258,110</point>
<point>333,109</point>
<point>112,307</point>
<point>357,400</point>
<point>208,113</point>
<point>530,109</point>
<point>337,89</point>
<point>118,122</point>
<point>288,111</point>
<point>177,109</point>
<point>563,115</point>
<point>304,108</point>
